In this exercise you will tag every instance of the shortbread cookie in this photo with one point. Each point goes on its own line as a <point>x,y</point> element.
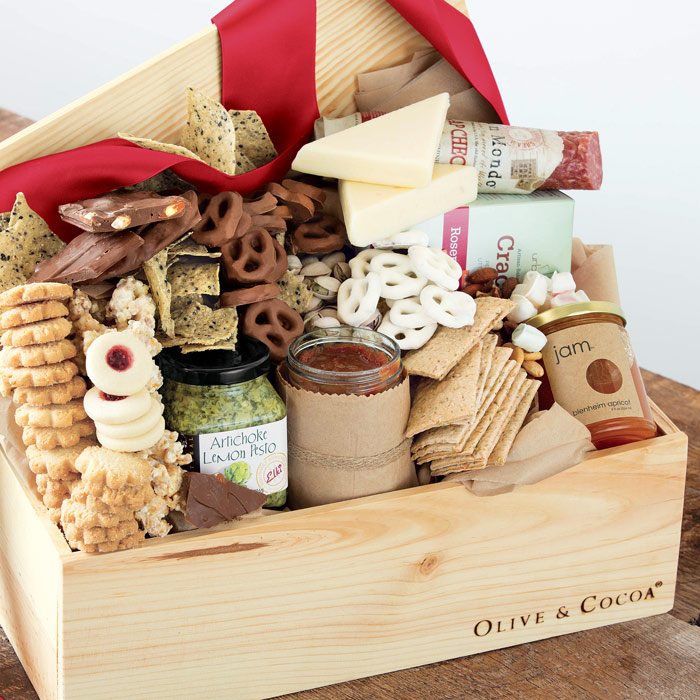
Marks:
<point>37,333</point>
<point>58,393</point>
<point>128,542</point>
<point>37,291</point>
<point>58,463</point>
<point>31,313</point>
<point>37,355</point>
<point>80,515</point>
<point>133,498</point>
<point>97,535</point>
<point>50,438</point>
<point>102,468</point>
<point>53,492</point>
<point>47,375</point>
<point>51,416</point>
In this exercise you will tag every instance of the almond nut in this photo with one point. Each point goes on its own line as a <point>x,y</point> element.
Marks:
<point>485,274</point>
<point>508,286</point>
<point>533,369</point>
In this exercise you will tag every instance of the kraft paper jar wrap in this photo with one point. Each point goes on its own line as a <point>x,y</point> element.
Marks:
<point>343,446</point>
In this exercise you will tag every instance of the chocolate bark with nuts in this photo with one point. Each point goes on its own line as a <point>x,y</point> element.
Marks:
<point>212,499</point>
<point>116,212</point>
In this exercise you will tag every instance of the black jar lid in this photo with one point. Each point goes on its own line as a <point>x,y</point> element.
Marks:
<point>250,359</point>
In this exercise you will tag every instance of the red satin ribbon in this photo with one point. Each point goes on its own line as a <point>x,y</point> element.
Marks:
<point>268,64</point>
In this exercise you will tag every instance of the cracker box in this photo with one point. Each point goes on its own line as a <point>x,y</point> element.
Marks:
<point>307,598</point>
<point>509,232</point>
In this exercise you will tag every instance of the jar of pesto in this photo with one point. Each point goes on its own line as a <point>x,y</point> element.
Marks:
<point>228,415</point>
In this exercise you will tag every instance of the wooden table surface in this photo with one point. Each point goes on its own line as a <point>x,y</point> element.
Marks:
<point>657,657</point>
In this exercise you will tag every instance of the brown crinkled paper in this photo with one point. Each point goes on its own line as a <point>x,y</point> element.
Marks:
<point>344,446</point>
<point>566,442</point>
<point>593,268</point>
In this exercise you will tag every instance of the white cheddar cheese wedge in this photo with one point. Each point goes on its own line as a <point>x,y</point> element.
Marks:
<point>395,149</point>
<point>374,212</point>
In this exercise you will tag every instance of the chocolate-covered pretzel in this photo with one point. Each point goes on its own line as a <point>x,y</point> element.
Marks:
<point>301,207</point>
<point>274,224</point>
<point>314,193</point>
<point>220,216</point>
<point>275,324</point>
<point>249,295</point>
<point>253,258</point>
<point>262,205</point>
<point>320,235</point>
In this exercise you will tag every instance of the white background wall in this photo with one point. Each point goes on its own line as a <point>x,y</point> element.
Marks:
<point>616,66</point>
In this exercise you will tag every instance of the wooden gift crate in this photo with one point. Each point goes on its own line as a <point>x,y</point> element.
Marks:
<point>308,598</point>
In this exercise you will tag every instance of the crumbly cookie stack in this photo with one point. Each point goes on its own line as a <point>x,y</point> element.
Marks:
<point>100,515</point>
<point>37,371</point>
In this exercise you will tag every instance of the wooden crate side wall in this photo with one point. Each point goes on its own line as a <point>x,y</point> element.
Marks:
<point>352,36</point>
<point>30,580</point>
<point>305,599</point>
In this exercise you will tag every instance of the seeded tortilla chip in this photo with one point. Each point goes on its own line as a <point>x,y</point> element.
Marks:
<point>152,145</point>
<point>4,220</point>
<point>28,237</point>
<point>186,247</point>
<point>252,139</point>
<point>452,399</point>
<point>157,276</point>
<point>198,324</point>
<point>188,279</point>
<point>449,345</point>
<point>161,182</point>
<point>294,292</point>
<point>209,132</point>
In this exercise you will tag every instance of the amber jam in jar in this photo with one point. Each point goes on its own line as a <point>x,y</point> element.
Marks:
<point>591,370</point>
<point>344,361</point>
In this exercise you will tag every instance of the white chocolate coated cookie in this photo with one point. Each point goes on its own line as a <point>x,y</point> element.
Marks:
<point>119,363</point>
<point>133,428</point>
<point>114,410</point>
<point>134,444</point>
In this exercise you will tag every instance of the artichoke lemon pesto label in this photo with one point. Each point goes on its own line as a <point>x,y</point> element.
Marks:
<point>253,457</point>
<point>589,368</point>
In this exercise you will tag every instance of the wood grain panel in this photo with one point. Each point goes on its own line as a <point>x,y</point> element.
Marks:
<point>319,596</point>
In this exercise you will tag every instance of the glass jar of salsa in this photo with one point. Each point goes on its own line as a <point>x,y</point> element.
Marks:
<point>344,361</point>
<point>591,370</point>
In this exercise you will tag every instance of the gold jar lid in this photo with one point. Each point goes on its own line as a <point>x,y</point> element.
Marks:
<point>578,309</point>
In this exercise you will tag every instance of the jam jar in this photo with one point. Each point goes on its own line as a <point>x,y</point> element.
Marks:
<point>591,371</point>
<point>344,361</point>
<point>229,417</point>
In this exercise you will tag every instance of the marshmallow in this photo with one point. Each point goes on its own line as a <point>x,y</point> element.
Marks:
<point>436,266</point>
<point>451,309</point>
<point>358,299</point>
<point>359,265</point>
<point>119,363</point>
<point>113,410</point>
<point>407,338</point>
<point>403,240</point>
<point>528,338</point>
<point>534,288</point>
<point>523,310</point>
<point>565,298</point>
<point>562,282</point>
<point>408,313</point>
<point>399,280</point>
<point>133,444</point>
<point>581,295</point>
<point>133,428</point>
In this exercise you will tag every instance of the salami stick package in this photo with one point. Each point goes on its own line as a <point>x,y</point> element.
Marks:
<point>510,159</point>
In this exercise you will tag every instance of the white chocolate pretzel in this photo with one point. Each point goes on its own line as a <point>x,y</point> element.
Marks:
<point>358,299</point>
<point>451,309</point>
<point>436,266</point>
<point>407,338</point>
<point>399,279</point>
